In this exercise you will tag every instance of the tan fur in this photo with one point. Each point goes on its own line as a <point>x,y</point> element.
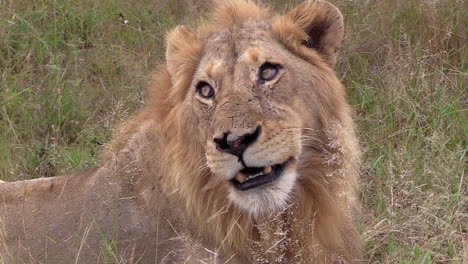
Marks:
<point>162,194</point>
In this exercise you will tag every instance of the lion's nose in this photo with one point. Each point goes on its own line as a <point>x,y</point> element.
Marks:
<point>236,145</point>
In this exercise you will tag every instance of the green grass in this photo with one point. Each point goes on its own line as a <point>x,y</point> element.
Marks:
<point>71,70</point>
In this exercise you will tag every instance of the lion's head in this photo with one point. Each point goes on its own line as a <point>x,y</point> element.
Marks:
<point>259,90</point>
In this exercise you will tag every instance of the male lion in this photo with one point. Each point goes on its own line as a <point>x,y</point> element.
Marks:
<point>245,153</point>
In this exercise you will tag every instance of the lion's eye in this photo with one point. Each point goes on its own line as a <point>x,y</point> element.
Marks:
<point>205,90</point>
<point>268,71</point>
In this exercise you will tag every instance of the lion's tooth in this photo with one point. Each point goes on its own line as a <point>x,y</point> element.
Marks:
<point>267,170</point>
<point>253,176</point>
<point>241,177</point>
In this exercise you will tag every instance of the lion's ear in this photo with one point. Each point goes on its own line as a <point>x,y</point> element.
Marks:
<point>183,49</point>
<point>320,26</point>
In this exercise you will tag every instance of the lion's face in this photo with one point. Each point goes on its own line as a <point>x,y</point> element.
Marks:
<point>253,98</point>
<point>245,97</point>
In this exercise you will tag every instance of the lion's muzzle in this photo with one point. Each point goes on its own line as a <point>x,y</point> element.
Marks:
<point>249,177</point>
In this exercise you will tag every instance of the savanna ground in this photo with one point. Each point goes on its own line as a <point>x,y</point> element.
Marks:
<point>71,70</point>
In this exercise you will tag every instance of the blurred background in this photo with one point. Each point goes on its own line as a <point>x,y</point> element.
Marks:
<point>71,70</point>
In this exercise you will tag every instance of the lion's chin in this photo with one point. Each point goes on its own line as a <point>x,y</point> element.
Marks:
<point>270,195</point>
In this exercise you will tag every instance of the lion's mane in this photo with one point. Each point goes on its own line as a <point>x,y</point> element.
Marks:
<point>327,168</point>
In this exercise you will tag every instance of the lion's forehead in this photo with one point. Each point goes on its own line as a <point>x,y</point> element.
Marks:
<point>229,44</point>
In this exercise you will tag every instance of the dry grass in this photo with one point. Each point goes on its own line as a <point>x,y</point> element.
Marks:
<point>405,66</point>
<point>70,70</point>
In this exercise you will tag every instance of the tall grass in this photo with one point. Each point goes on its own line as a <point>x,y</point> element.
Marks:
<point>70,70</point>
<point>404,64</point>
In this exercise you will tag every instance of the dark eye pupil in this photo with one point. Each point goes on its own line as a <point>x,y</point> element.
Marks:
<point>268,71</point>
<point>205,90</point>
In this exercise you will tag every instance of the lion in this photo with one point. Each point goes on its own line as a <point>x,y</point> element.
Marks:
<point>244,153</point>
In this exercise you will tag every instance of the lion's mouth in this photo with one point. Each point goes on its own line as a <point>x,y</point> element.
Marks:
<point>251,177</point>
